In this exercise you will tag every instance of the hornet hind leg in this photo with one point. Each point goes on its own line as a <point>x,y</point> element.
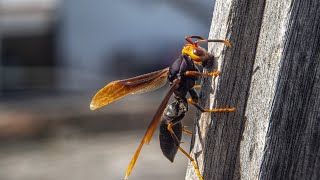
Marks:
<point>176,140</point>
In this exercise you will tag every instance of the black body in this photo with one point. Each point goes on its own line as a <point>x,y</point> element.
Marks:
<point>177,71</point>
<point>175,111</point>
<point>168,143</point>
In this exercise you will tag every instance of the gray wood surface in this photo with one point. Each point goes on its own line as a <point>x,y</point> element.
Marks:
<point>272,76</point>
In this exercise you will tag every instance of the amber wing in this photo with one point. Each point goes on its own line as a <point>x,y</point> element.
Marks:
<point>139,84</point>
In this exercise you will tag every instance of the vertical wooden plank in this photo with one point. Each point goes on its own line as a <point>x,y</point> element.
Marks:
<point>272,76</point>
<point>293,140</point>
<point>217,136</point>
<point>262,88</point>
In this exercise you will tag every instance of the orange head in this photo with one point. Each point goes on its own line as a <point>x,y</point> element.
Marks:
<point>196,52</point>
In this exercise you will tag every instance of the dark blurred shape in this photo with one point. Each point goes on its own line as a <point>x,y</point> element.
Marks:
<point>28,62</point>
<point>29,50</point>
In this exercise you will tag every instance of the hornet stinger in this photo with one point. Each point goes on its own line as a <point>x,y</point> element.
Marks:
<point>182,76</point>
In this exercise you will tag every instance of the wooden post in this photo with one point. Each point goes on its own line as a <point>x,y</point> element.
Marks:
<point>272,76</point>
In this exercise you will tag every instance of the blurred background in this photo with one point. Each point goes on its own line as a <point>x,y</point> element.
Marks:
<point>55,55</point>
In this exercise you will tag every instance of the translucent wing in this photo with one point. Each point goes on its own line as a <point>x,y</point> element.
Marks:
<point>139,84</point>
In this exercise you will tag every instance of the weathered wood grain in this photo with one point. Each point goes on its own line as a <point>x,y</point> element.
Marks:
<point>272,76</point>
<point>293,140</point>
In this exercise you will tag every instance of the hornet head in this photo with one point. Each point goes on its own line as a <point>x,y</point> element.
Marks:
<point>196,52</point>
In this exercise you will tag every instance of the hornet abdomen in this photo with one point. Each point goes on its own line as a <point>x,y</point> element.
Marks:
<point>167,143</point>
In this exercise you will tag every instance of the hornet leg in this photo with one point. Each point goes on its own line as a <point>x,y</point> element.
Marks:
<point>197,86</point>
<point>177,120</point>
<point>186,131</point>
<point>211,110</point>
<point>183,151</point>
<point>194,95</point>
<point>196,73</point>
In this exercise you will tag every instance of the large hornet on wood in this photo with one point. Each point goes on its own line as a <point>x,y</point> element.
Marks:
<point>182,76</point>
